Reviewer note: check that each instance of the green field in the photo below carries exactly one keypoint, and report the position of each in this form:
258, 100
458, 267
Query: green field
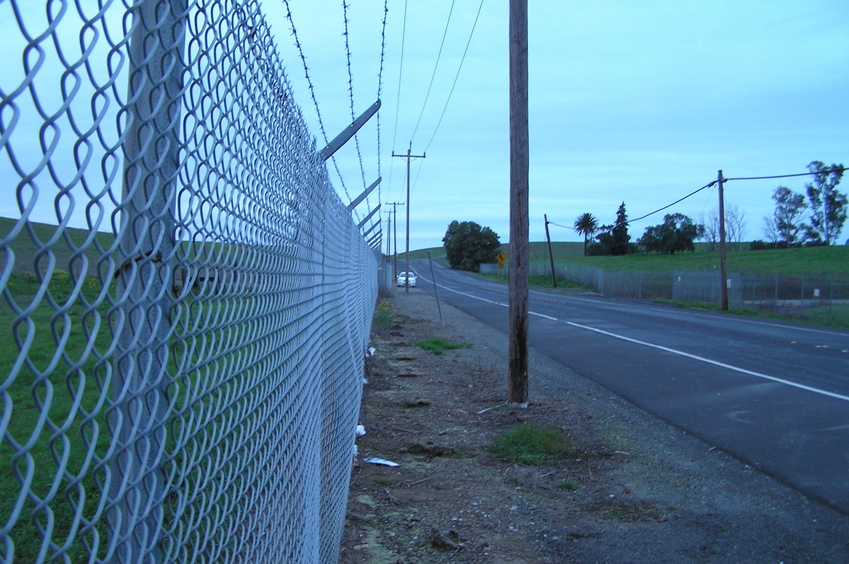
801, 261
67, 388
27, 251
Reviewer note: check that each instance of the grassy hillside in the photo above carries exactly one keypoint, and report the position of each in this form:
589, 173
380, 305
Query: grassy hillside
26, 249
807, 260
811, 260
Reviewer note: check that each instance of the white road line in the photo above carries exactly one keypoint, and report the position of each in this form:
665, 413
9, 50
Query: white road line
486, 300
713, 362
666, 349
543, 315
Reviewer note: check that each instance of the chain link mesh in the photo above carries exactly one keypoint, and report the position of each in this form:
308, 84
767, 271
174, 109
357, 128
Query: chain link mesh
186, 299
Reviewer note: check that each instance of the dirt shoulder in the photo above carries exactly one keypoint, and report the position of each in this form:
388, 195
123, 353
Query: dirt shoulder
633, 489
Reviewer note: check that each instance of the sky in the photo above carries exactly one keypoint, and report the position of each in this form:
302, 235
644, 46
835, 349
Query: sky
634, 102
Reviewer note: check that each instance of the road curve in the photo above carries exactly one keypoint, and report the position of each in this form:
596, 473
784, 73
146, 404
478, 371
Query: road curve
773, 394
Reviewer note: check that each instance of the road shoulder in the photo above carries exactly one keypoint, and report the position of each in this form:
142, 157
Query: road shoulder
633, 489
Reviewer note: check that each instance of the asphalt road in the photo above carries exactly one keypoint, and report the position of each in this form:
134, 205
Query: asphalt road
773, 394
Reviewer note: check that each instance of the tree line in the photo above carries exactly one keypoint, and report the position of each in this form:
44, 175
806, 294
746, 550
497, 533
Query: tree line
815, 218
796, 221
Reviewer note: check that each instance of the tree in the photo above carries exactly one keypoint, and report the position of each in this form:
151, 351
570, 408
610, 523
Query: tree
586, 225
771, 230
613, 239
786, 224
711, 228
827, 205
619, 233
675, 234
467, 245
735, 225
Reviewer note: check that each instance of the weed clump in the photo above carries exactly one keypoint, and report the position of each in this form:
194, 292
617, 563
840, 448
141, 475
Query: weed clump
383, 314
437, 345
531, 445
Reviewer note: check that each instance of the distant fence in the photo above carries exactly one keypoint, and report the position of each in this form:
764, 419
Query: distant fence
181, 377
817, 297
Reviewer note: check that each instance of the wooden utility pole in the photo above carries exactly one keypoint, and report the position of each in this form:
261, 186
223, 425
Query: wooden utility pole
723, 274
395, 233
388, 238
409, 157
517, 388
550, 254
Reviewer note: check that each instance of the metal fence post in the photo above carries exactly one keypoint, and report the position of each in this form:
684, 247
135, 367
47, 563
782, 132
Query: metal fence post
137, 487
640, 287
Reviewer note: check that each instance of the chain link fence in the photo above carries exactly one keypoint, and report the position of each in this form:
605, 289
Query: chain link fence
186, 301
822, 299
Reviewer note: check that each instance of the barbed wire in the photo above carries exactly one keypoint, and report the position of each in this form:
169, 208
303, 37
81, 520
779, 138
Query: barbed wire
313, 96
345, 34
380, 87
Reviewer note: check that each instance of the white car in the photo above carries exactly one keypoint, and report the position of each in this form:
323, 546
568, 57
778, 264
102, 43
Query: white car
404, 277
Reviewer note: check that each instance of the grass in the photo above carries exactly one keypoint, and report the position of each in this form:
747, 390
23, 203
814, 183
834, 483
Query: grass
532, 445
825, 261
438, 345
383, 316
832, 316
535, 281
836, 315
66, 387
832, 260
568, 486
68, 381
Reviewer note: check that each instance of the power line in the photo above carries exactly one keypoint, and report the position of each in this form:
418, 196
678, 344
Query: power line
693, 193
457, 76
563, 226
433, 75
832, 170
398, 98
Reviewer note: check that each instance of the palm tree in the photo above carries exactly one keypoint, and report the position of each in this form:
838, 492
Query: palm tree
586, 225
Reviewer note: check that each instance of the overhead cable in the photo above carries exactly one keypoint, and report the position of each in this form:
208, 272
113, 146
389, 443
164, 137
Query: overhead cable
563, 226
835, 169
398, 98
433, 75
693, 193
457, 76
